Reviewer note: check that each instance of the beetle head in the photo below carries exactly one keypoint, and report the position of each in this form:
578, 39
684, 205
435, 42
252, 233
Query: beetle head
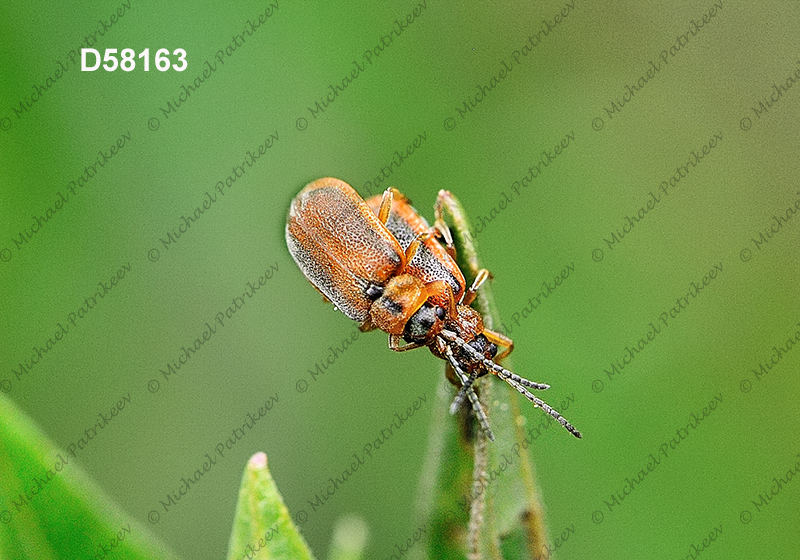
402, 310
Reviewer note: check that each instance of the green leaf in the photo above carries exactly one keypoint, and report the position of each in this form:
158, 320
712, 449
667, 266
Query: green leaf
480, 498
50, 509
514, 545
262, 528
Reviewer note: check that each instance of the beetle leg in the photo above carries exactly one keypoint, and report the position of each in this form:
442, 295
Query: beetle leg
500, 340
440, 225
386, 205
413, 247
469, 295
394, 344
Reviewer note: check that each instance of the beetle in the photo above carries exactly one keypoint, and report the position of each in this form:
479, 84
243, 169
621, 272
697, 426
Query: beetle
433, 262
382, 265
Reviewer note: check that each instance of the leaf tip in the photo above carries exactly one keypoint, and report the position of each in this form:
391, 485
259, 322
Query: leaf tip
258, 462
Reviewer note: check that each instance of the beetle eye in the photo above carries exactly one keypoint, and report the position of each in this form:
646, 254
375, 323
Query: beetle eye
440, 312
420, 324
373, 292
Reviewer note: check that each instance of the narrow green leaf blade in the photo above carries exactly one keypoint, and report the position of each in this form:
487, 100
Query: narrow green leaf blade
262, 528
501, 493
50, 509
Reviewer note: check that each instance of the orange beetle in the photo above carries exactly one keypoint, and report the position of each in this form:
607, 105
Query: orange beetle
383, 267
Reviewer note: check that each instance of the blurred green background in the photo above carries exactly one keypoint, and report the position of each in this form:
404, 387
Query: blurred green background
414, 87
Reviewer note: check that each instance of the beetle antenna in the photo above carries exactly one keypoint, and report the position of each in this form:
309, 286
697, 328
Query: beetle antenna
476, 403
500, 370
517, 382
544, 406
463, 391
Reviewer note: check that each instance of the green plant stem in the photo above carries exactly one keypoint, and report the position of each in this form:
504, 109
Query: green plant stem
505, 516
